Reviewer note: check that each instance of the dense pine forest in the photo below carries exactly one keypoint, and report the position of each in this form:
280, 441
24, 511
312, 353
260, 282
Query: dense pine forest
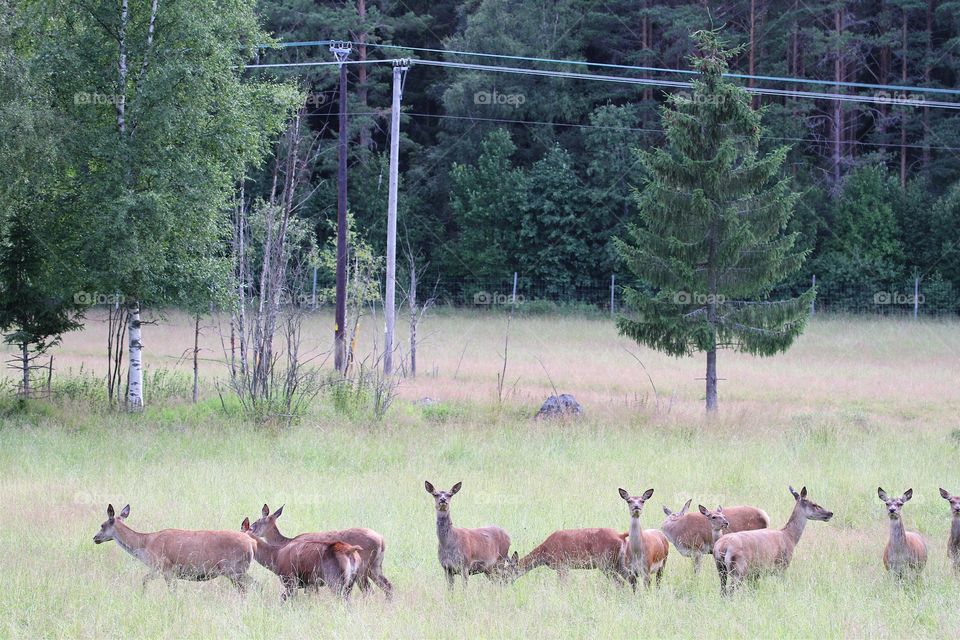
539, 178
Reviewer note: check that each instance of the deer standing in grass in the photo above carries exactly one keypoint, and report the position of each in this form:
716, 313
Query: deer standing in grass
751, 554
183, 554
467, 551
646, 551
370, 542
953, 542
693, 536
906, 552
308, 564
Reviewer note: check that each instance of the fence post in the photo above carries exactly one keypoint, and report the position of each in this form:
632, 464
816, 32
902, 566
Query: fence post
314, 296
513, 298
916, 297
613, 284
813, 303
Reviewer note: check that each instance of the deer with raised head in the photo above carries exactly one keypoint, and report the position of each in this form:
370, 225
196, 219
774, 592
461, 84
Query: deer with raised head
182, 554
371, 545
906, 552
751, 554
953, 542
693, 536
646, 552
308, 564
467, 551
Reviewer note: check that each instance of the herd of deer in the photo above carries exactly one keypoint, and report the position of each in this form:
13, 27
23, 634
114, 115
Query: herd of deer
738, 538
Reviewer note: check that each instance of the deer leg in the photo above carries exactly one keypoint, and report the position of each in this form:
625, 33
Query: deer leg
381, 581
697, 559
464, 573
150, 576
660, 576
722, 572
241, 582
171, 581
449, 573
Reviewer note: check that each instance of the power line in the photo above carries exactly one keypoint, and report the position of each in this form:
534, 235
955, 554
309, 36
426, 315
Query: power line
788, 93
740, 76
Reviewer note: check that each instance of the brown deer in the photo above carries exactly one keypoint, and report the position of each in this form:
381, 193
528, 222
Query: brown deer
953, 542
370, 542
602, 549
751, 554
692, 535
178, 553
467, 551
906, 552
646, 551
307, 563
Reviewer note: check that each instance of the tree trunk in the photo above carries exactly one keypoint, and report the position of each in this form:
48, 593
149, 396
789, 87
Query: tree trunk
837, 136
366, 142
25, 361
903, 112
196, 351
712, 381
413, 320
925, 157
135, 371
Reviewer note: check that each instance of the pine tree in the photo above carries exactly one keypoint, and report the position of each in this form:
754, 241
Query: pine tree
712, 240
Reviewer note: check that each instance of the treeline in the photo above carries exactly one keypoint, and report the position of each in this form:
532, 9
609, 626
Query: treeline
535, 175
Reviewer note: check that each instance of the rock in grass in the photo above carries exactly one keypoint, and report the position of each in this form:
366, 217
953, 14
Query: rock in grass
560, 407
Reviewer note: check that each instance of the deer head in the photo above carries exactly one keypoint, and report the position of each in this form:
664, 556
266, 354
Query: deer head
894, 505
442, 498
953, 500
810, 510
508, 569
258, 528
673, 516
718, 521
108, 527
635, 503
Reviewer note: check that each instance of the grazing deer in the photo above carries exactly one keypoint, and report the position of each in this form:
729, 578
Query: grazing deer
750, 554
308, 563
906, 552
602, 549
177, 553
646, 551
693, 536
467, 551
953, 543
370, 542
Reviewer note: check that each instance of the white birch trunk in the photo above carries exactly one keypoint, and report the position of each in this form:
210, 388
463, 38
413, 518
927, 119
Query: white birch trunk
135, 360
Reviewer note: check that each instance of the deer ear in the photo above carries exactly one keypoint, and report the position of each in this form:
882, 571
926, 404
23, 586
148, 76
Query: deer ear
702, 509
276, 514
796, 496
125, 512
881, 494
719, 508
647, 494
907, 494
803, 492
110, 512
456, 488
666, 510
686, 506
245, 525
515, 557
944, 493
623, 493
429, 487
265, 511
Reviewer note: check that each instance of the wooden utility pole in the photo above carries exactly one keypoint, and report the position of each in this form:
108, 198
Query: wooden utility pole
390, 310
341, 50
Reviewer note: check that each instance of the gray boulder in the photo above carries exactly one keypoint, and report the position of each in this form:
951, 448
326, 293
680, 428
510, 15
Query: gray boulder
560, 407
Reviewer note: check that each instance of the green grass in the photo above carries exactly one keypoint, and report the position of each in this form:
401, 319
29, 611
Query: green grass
188, 466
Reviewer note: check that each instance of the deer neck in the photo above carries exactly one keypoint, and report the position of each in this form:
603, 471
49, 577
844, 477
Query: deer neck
637, 548
898, 536
273, 536
796, 524
129, 540
955, 533
715, 535
444, 528
265, 553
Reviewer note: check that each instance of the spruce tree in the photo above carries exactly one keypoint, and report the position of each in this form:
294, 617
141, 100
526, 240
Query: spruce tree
712, 241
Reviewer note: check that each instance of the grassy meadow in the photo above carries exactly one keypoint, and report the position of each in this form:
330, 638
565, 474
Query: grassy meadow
856, 403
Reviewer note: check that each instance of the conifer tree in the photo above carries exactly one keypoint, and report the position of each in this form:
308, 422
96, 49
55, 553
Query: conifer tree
712, 238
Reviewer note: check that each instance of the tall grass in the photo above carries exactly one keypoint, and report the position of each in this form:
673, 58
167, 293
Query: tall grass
855, 405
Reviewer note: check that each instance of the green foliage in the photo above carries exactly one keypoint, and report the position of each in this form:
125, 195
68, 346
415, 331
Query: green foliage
711, 237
